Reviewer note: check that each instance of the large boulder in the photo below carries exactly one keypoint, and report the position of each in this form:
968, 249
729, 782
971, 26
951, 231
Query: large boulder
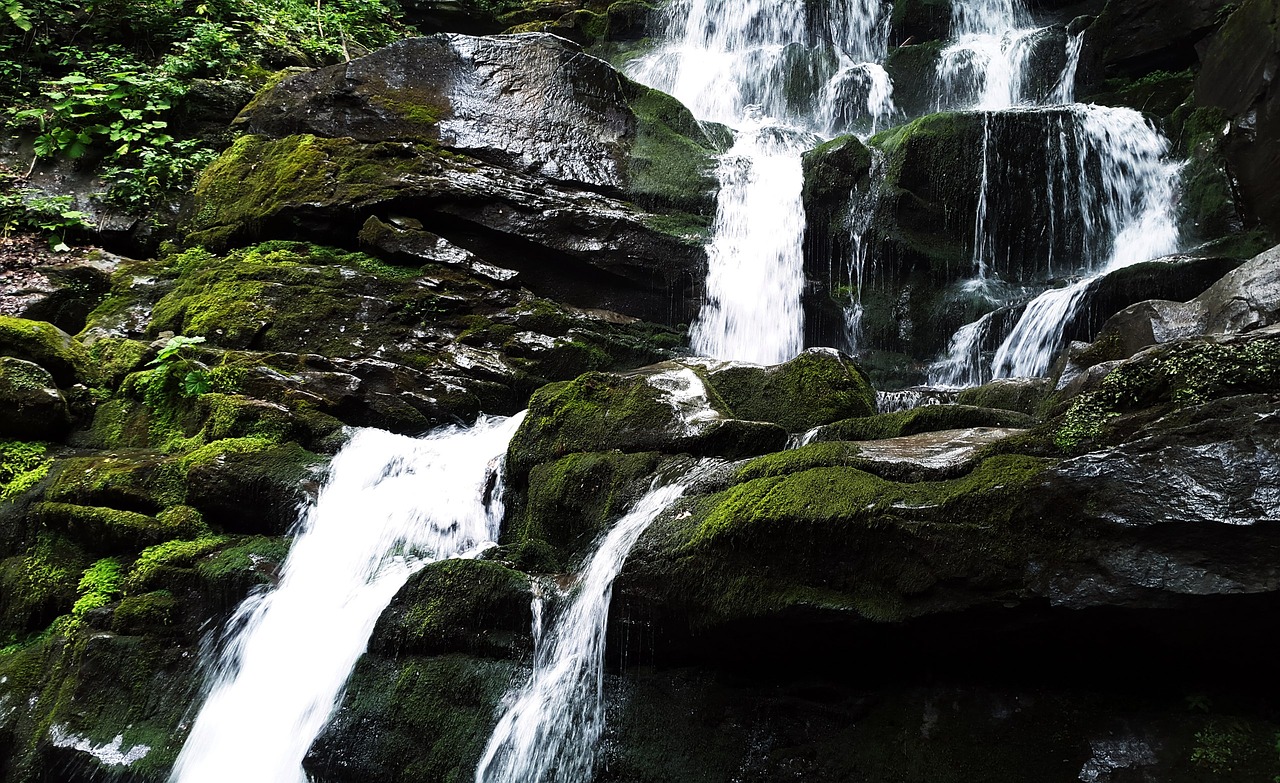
1246, 299
31, 407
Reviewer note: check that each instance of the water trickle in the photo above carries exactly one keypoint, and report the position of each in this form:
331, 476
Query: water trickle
550, 727
390, 506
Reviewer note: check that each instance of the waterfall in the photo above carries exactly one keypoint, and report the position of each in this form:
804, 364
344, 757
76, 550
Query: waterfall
390, 506
551, 726
1129, 210
782, 76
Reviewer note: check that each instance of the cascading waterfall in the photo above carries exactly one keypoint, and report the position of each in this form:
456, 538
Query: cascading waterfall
782, 78
390, 506
550, 727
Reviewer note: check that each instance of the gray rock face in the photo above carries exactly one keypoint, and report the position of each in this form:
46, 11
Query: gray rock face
533, 102
1238, 77
1246, 299
928, 456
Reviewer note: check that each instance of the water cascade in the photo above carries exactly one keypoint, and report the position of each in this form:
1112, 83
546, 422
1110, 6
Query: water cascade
550, 727
391, 505
1112, 167
782, 79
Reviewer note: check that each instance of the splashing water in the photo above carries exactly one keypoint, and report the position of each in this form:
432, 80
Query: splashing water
391, 505
551, 726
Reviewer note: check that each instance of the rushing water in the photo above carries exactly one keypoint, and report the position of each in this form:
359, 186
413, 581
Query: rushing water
390, 506
551, 725
782, 78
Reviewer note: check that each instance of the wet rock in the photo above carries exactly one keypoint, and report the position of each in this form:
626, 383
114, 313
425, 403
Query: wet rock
255, 490
572, 245
46, 345
922, 20
457, 606
532, 103
929, 418
31, 407
929, 456
1240, 63
1012, 394
817, 387
667, 408
1245, 299
412, 244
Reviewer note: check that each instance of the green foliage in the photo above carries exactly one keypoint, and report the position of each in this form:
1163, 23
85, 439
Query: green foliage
1185, 374
28, 209
172, 360
99, 585
1220, 746
22, 466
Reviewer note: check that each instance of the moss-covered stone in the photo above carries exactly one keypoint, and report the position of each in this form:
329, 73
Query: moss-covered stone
1174, 375
665, 408
466, 606
570, 501
1023, 395
111, 529
671, 164
46, 345
412, 719
817, 387
928, 418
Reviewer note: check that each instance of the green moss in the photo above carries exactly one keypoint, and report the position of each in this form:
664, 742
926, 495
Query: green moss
593, 412
257, 179
815, 455
38, 585
671, 164
177, 553
245, 558
817, 387
473, 606
848, 495
571, 500
217, 450
116, 357
112, 529
144, 482
46, 345
145, 613
929, 418
1182, 374
22, 466
100, 584
833, 169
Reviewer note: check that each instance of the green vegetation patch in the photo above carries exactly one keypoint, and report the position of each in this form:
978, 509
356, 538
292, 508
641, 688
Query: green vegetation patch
848, 495
22, 466
1183, 374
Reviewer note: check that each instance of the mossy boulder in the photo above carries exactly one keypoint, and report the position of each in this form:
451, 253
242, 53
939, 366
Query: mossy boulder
326, 189
457, 606
570, 501
31, 407
530, 101
390, 705
666, 408
817, 387
1023, 395
46, 345
251, 486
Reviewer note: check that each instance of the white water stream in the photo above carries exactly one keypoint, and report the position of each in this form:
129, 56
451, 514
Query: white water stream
390, 506
551, 726
782, 80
